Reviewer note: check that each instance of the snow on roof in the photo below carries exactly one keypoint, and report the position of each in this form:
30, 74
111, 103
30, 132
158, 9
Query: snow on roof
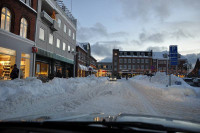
163, 55
81, 45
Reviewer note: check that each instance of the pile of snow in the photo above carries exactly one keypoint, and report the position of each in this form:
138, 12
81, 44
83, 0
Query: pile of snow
161, 81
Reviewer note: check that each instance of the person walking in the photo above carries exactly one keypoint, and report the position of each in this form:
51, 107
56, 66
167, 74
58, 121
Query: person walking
15, 72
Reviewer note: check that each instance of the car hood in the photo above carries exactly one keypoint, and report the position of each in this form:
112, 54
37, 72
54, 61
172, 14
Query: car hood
122, 117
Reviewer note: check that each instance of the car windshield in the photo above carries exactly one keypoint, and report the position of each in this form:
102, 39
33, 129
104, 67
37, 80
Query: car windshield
99, 60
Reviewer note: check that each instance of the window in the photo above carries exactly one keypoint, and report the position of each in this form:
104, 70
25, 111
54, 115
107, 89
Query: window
72, 50
58, 43
138, 60
50, 39
164, 62
68, 49
133, 67
146, 60
146, 67
120, 60
70, 32
125, 60
115, 53
23, 28
64, 45
65, 28
41, 34
28, 2
142, 67
73, 36
133, 60
125, 66
129, 66
59, 23
120, 67
5, 19
115, 63
129, 60
142, 60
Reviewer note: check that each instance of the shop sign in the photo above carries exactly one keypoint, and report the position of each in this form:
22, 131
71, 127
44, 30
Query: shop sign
34, 49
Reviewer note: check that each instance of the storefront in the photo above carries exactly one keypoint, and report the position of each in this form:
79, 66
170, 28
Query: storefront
15, 50
7, 61
82, 71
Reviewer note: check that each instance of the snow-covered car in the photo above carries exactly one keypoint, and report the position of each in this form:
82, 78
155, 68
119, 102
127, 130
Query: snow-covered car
196, 82
113, 78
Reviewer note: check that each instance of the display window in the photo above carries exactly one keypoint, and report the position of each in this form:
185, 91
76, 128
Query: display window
7, 61
42, 69
24, 65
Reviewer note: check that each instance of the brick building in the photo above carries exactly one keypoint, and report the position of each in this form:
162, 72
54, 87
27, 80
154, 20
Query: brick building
131, 62
104, 69
17, 35
161, 63
85, 62
144, 62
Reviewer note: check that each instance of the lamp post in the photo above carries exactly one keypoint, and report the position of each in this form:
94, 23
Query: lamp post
74, 53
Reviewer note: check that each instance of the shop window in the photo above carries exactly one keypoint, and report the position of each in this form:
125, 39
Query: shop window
24, 65
41, 69
7, 61
5, 19
23, 28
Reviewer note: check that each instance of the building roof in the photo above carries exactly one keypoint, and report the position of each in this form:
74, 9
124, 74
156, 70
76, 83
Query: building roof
81, 45
161, 55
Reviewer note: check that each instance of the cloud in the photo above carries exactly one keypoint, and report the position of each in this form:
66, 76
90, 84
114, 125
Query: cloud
156, 37
104, 49
107, 59
97, 31
147, 10
181, 34
157, 49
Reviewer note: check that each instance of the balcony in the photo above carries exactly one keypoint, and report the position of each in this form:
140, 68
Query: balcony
53, 24
46, 17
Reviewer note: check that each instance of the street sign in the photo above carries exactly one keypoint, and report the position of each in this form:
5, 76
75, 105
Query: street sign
173, 55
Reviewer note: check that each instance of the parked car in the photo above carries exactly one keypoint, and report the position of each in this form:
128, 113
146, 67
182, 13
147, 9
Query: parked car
196, 82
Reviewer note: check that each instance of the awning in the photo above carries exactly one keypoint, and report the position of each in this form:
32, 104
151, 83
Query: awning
82, 67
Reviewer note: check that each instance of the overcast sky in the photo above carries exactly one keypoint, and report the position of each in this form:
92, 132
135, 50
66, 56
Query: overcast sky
137, 25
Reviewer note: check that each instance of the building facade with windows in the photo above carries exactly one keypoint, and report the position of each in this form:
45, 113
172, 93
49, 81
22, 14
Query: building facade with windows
161, 63
104, 69
131, 62
85, 62
55, 39
17, 35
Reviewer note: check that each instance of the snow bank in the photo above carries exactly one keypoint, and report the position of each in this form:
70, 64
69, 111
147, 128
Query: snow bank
160, 82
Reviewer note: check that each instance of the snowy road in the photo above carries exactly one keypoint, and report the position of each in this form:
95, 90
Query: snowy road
99, 96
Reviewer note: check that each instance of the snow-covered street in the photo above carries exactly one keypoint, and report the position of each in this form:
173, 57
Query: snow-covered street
138, 95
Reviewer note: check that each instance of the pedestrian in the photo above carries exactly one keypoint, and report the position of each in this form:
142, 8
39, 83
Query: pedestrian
15, 72
126, 77
58, 74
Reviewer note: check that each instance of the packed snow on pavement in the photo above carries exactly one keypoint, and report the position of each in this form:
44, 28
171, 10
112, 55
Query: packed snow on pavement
138, 95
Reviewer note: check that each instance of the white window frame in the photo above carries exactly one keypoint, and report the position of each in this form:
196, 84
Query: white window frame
70, 32
23, 28
65, 28
40, 36
58, 43
51, 39
68, 49
6, 22
64, 46
73, 36
59, 22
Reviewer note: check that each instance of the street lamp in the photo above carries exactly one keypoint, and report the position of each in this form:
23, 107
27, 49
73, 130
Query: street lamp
74, 53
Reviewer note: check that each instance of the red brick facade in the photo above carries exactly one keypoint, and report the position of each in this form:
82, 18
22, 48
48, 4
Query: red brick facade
19, 10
